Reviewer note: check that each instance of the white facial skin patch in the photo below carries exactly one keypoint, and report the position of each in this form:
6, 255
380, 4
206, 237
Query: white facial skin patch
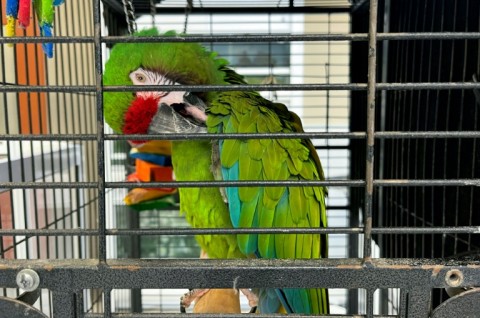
146, 77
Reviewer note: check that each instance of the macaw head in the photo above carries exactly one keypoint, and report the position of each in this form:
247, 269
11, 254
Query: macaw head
159, 63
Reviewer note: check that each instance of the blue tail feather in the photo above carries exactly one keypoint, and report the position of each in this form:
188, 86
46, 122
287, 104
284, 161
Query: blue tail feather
269, 300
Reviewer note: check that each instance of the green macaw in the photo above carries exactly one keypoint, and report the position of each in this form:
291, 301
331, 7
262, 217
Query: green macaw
153, 112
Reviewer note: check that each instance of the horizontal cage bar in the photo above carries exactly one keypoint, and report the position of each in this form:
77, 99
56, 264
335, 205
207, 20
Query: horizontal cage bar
248, 38
243, 183
245, 87
207, 231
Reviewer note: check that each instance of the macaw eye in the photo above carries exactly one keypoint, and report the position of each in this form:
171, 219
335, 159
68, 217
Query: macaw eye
140, 77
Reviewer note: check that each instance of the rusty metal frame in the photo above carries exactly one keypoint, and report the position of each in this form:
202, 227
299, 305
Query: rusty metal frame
415, 277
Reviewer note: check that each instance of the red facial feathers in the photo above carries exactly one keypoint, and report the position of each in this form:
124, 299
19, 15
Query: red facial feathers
139, 115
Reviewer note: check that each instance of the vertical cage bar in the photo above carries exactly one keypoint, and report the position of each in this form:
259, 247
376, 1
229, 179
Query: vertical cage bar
107, 303
89, 169
372, 60
437, 142
383, 116
448, 146
383, 218
460, 162
423, 98
6, 126
476, 116
409, 122
67, 78
102, 245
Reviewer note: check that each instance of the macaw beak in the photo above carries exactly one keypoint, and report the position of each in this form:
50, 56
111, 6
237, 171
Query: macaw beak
177, 118
179, 112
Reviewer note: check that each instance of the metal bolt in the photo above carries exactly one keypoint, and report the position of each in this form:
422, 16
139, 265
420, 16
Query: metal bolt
454, 278
28, 280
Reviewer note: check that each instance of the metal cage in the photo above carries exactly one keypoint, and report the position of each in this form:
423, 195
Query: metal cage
387, 91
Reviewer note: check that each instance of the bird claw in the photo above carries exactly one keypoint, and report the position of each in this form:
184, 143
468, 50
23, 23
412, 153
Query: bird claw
195, 294
251, 296
188, 298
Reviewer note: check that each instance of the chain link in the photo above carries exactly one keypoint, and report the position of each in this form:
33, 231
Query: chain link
153, 11
129, 16
188, 10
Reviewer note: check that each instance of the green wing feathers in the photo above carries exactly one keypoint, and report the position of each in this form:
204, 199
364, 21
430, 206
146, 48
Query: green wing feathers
278, 159
272, 207
201, 212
